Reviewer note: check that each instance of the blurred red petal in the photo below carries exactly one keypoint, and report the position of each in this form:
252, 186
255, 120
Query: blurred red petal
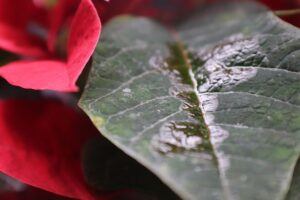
62, 11
41, 144
15, 18
16, 13
39, 75
17, 41
84, 35
57, 75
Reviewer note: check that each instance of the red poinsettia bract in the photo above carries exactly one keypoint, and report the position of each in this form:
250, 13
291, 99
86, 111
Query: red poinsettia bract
32, 32
42, 142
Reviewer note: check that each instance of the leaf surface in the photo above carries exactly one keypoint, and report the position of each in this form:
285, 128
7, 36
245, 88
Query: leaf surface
213, 108
293, 193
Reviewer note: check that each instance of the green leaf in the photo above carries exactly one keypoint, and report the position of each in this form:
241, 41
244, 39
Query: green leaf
213, 108
294, 193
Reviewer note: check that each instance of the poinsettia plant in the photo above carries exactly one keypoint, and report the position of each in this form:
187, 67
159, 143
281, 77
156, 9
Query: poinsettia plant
149, 99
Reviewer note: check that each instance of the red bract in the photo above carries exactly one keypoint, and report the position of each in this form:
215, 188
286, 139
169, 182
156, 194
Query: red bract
41, 144
33, 33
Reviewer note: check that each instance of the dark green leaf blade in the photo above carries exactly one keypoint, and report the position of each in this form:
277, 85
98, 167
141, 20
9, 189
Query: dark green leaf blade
293, 193
132, 86
214, 114
249, 86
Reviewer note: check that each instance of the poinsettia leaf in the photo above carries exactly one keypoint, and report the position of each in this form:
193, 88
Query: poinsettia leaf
293, 193
212, 109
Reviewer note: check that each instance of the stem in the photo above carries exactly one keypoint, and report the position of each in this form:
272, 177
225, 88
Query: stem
284, 13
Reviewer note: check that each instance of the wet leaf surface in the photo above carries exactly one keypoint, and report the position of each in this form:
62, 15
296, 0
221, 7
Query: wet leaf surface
211, 108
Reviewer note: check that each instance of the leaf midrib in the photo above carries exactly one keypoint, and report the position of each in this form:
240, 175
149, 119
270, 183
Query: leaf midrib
187, 63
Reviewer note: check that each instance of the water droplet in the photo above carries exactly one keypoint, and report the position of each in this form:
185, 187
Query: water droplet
127, 92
